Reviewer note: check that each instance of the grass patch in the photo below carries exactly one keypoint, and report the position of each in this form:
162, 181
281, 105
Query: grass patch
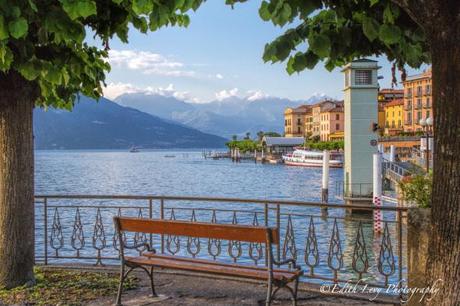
64, 287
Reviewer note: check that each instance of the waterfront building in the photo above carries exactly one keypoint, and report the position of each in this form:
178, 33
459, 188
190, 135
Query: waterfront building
294, 121
385, 96
331, 121
394, 117
418, 100
323, 120
277, 146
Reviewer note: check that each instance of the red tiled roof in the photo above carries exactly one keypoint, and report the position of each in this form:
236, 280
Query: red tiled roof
395, 102
391, 90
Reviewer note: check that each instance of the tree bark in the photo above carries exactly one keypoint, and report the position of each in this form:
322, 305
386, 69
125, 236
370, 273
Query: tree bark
444, 248
17, 98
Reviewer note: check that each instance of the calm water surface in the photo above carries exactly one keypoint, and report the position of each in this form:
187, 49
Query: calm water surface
150, 172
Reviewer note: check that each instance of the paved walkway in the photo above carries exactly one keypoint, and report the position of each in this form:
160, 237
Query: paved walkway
182, 289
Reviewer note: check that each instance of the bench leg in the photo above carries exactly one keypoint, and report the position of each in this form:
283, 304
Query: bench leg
152, 283
294, 296
120, 285
268, 301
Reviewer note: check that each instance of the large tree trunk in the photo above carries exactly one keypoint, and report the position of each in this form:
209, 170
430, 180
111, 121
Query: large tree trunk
444, 248
17, 98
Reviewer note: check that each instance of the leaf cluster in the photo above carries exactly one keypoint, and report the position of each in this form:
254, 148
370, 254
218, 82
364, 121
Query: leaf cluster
418, 189
338, 31
46, 41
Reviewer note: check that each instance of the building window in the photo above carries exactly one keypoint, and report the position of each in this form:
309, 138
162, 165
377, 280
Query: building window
419, 116
427, 114
399, 123
298, 121
337, 116
298, 129
363, 77
337, 126
285, 123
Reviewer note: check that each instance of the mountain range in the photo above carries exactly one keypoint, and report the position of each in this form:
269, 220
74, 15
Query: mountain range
108, 125
231, 116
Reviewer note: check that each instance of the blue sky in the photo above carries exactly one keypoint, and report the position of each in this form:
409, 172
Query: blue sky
218, 55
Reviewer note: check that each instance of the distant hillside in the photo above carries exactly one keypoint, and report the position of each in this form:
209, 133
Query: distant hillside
107, 125
227, 117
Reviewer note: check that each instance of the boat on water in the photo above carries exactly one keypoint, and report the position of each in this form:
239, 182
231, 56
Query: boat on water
306, 158
134, 150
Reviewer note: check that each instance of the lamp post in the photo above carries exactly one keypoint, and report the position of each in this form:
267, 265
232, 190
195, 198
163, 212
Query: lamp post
426, 125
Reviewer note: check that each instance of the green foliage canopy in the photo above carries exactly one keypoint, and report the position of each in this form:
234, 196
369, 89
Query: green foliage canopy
47, 41
325, 145
338, 31
245, 145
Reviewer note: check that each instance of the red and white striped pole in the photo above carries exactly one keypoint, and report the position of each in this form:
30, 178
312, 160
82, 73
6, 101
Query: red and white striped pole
325, 182
377, 191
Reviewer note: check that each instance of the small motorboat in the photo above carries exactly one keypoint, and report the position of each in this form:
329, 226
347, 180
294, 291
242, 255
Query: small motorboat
134, 150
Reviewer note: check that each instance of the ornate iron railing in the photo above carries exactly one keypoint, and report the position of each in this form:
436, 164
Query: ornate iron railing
337, 247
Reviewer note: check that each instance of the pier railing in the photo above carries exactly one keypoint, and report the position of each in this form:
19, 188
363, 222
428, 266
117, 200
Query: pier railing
335, 247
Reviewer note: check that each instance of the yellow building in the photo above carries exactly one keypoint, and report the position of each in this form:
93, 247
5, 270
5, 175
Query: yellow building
418, 101
294, 119
385, 96
394, 117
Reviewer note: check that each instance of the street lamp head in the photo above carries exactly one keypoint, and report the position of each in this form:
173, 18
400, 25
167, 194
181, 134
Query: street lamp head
422, 122
429, 121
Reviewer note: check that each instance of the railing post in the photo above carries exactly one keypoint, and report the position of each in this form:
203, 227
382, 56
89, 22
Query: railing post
266, 224
400, 257
45, 216
151, 217
162, 216
278, 226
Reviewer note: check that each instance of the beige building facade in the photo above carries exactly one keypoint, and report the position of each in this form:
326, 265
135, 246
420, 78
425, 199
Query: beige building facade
320, 120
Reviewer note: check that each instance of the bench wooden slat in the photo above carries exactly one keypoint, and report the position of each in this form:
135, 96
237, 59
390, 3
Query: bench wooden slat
220, 269
257, 234
210, 262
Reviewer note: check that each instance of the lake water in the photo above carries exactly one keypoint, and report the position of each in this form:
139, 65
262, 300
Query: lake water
150, 172
189, 174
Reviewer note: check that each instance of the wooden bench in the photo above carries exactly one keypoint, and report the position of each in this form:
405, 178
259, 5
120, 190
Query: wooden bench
276, 278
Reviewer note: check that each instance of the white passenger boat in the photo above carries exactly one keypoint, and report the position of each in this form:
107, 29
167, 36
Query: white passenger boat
305, 158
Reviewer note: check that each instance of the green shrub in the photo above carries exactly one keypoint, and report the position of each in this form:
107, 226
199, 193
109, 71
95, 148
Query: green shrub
417, 189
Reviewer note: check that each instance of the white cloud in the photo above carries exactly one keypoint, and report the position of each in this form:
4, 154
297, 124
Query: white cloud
251, 95
254, 95
114, 90
224, 94
149, 63
219, 76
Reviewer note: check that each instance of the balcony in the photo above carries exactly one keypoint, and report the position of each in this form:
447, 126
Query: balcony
408, 107
418, 106
418, 93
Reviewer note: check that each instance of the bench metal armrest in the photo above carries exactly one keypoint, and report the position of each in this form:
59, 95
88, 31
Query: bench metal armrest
144, 244
290, 261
